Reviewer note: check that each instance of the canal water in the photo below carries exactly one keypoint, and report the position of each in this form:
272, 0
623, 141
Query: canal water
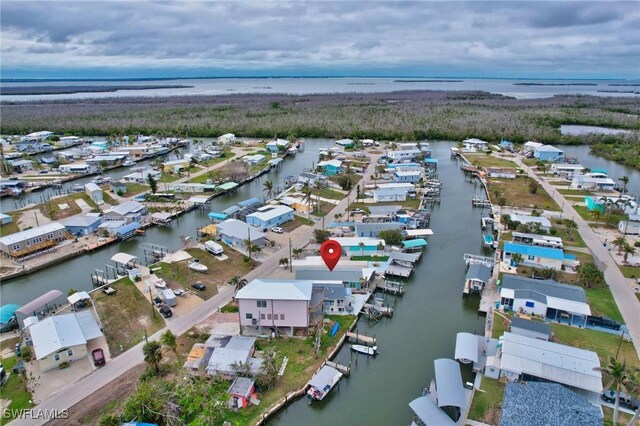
76, 273
423, 328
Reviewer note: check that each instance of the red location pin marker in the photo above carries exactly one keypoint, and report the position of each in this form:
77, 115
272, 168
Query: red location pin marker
331, 251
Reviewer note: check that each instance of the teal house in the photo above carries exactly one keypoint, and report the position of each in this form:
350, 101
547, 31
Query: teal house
594, 204
330, 167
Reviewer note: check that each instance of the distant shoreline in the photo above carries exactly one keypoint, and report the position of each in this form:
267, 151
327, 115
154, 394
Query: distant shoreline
428, 81
66, 90
555, 84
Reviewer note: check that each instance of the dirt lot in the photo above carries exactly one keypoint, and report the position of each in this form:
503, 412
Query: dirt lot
220, 271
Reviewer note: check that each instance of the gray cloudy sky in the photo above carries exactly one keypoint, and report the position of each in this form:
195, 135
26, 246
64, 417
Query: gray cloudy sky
501, 39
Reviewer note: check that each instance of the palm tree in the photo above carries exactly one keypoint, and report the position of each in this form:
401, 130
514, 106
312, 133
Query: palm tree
247, 245
635, 392
619, 243
627, 249
237, 283
268, 188
596, 214
621, 380
168, 339
152, 354
516, 259
361, 245
297, 252
625, 182
306, 196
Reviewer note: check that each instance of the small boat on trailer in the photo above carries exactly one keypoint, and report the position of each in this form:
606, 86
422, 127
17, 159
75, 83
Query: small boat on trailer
197, 266
366, 350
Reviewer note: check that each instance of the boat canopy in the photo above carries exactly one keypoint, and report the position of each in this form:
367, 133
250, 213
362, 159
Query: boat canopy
126, 229
466, 347
449, 383
217, 216
429, 413
7, 311
37, 303
78, 296
325, 378
124, 258
418, 242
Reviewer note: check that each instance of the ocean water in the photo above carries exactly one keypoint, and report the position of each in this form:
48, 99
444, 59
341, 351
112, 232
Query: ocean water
521, 89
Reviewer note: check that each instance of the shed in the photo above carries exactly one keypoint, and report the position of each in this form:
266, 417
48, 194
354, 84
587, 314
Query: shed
240, 392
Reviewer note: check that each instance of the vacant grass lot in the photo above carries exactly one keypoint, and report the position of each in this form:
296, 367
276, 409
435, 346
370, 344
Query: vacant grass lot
604, 344
53, 211
602, 303
300, 367
125, 316
295, 223
484, 160
582, 257
15, 391
486, 405
569, 240
631, 271
220, 271
516, 192
575, 192
10, 228
330, 194
134, 188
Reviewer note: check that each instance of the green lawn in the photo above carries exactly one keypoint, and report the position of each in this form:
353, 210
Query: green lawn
53, 211
623, 418
574, 240
208, 163
582, 257
108, 198
504, 237
330, 194
574, 192
168, 178
499, 324
584, 212
10, 228
126, 315
630, 271
134, 188
371, 258
602, 303
604, 344
484, 160
296, 222
486, 405
517, 194
15, 391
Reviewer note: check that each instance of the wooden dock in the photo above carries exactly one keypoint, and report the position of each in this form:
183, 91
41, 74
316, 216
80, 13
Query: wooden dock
377, 310
341, 368
480, 202
391, 287
361, 338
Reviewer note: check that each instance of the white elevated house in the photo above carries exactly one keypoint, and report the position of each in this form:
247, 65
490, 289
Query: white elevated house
403, 152
531, 146
226, 139
75, 168
129, 212
568, 171
474, 145
591, 181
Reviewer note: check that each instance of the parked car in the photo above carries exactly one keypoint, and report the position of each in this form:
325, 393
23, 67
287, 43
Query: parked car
277, 230
44, 172
199, 286
98, 357
166, 311
626, 401
605, 322
357, 211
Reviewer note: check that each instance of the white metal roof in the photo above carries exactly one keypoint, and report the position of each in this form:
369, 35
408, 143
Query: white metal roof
449, 383
277, 290
123, 258
267, 213
427, 410
543, 221
552, 361
548, 148
238, 229
128, 207
334, 163
31, 233
55, 333
418, 232
92, 187
88, 324
355, 241
405, 185
78, 296
466, 347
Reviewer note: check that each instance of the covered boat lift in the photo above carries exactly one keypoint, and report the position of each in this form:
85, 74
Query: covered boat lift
467, 348
322, 382
450, 392
38, 307
429, 413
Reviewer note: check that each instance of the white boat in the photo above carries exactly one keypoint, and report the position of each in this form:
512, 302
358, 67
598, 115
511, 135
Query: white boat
322, 382
129, 163
160, 283
367, 350
77, 188
197, 266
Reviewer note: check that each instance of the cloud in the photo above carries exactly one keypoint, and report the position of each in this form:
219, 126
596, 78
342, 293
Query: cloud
526, 38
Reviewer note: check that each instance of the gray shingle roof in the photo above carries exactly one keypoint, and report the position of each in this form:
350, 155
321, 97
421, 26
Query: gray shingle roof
548, 287
537, 326
479, 271
530, 294
543, 404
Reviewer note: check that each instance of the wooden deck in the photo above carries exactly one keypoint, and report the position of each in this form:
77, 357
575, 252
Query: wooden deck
341, 368
361, 338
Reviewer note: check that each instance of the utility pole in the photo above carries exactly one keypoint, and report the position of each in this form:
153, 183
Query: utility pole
290, 257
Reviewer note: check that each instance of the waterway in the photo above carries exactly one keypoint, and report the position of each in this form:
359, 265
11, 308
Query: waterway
522, 89
424, 325
577, 130
76, 273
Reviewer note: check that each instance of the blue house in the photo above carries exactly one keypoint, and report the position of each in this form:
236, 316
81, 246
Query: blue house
277, 145
351, 245
269, 216
330, 167
363, 229
82, 225
506, 145
128, 231
549, 153
594, 204
542, 257
411, 176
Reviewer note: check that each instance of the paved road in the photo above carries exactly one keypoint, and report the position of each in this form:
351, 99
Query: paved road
622, 292
122, 363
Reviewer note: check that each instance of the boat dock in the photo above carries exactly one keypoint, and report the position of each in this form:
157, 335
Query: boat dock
480, 202
341, 368
398, 271
472, 258
391, 287
361, 338
377, 310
